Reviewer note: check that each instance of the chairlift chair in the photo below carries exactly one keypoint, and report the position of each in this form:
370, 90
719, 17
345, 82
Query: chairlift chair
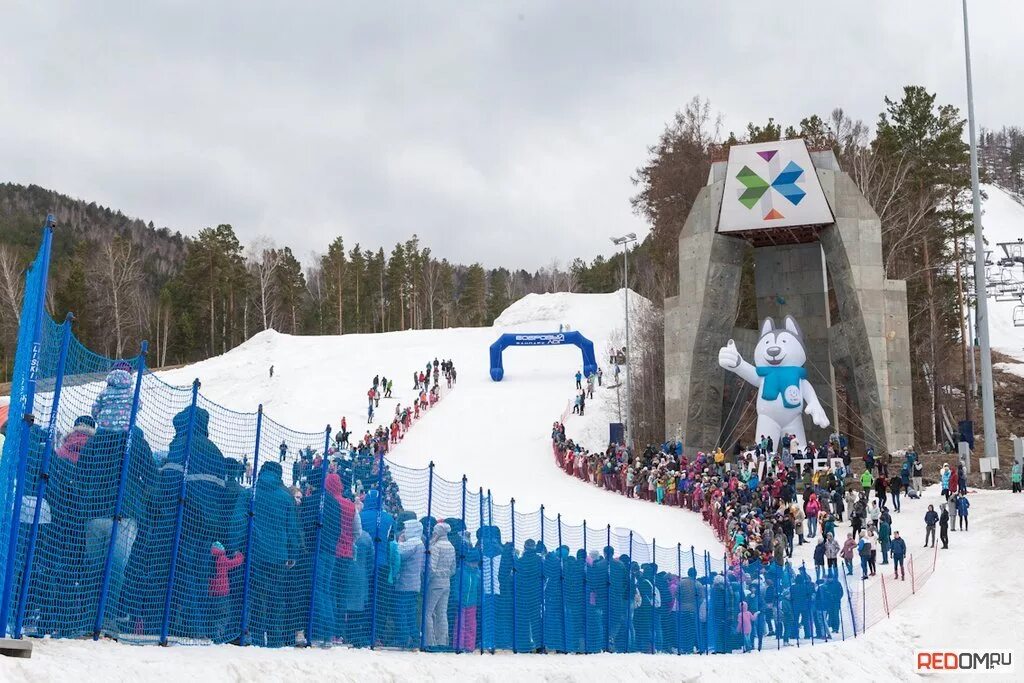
1018, 315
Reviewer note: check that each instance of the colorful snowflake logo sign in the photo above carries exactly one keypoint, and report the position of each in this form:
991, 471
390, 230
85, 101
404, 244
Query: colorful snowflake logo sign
758, 191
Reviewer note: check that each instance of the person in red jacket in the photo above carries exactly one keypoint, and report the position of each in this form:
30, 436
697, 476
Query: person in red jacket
220, 588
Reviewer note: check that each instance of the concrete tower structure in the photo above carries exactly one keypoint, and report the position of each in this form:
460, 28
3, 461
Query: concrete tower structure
807, 226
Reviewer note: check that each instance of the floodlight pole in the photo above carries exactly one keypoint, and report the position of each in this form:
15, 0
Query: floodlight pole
624, 242
981, 294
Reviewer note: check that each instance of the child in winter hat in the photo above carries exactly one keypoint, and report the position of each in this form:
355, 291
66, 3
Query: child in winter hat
113, 406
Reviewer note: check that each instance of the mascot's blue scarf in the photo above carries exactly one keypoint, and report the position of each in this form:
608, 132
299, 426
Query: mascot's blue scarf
777, 379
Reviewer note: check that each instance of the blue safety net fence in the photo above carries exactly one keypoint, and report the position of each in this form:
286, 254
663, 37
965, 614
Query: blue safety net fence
145, 512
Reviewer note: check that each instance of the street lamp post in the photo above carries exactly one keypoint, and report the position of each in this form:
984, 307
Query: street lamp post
624, 242
981, 295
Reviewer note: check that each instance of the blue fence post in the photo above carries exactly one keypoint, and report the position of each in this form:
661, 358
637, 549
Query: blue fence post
586, 593
460, 562
494, 612
696, 610
179, 515
849, 601
426, 556
726, 646
679, 597
119, 503
803, 617
480, 542
707, 603
864, 607
376, 552
842, 626
630, 583
324, 464
608, 589
28, 418
243, 636
654, 607
543, 590
779, 628
561, 588
515, 644
44, 475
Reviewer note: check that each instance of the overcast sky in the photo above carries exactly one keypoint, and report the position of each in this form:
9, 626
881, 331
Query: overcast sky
500, 132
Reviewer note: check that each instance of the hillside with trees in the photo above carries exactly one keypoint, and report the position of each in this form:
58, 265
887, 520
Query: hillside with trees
197, 296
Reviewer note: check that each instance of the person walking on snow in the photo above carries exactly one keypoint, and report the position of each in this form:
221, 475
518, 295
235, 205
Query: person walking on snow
895, 484
944, 528
832, 554
847, 552
884, 531
866, 481
899, 551
930, 519
944, 474
962, 506
579, 379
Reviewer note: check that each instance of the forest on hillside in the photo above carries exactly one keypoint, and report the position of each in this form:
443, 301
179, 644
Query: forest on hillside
200, 295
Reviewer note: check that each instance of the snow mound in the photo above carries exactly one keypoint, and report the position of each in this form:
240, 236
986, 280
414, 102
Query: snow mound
586, 313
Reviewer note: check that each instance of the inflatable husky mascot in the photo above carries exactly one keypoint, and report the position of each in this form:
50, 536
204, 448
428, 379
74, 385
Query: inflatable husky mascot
779, 373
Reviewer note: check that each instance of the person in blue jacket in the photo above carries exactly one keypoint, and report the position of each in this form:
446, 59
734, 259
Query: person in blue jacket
898, 548
204, 514
579, 379
962, 506
834, 596
801, 594
276, 547
379, 523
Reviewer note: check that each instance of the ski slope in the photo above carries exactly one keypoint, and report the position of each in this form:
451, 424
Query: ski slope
1003, 221
496, 433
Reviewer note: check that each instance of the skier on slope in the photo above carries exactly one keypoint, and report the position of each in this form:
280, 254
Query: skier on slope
579, 379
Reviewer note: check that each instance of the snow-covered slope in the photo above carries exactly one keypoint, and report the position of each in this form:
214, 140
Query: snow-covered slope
1003, 221
496, 433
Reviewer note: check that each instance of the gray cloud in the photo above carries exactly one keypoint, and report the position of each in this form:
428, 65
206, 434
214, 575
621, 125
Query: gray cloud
499, 132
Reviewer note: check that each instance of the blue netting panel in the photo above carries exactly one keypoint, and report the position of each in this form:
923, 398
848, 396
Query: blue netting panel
16, 429
92, 450
151, 514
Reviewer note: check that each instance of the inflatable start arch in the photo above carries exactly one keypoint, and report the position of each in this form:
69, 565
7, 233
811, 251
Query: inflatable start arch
550, 339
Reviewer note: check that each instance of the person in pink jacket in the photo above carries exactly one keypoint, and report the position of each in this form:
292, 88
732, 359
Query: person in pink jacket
812, 509
744, 625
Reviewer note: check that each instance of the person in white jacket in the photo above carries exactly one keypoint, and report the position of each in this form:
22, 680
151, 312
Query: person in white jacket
442, 567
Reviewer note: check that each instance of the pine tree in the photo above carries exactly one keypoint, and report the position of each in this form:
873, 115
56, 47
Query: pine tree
334, 270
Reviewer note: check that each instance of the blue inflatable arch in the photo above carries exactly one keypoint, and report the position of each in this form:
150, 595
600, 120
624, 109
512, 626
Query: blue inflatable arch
548, 339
